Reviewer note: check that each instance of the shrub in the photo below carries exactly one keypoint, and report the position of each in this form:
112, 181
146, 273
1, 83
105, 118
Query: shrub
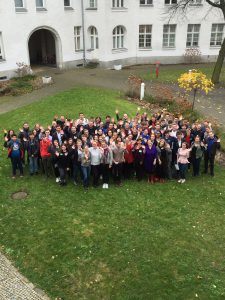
192, 55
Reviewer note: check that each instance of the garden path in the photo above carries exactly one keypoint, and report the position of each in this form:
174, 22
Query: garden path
212, 106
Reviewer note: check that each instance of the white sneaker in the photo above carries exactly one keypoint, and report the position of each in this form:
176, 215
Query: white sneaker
106, 186
103, 186
57, 179
183, 181
180, 180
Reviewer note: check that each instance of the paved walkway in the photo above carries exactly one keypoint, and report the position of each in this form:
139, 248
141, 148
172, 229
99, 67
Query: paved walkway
13, 286
212, 106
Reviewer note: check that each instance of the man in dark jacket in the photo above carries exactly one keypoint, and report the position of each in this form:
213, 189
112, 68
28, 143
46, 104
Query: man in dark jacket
33, 153
212, 143
59, 135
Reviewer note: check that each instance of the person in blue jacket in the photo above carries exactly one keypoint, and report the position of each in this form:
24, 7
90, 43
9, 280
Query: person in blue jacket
15, 153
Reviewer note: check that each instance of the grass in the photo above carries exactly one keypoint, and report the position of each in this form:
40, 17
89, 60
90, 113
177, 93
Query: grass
136, 242
170, 73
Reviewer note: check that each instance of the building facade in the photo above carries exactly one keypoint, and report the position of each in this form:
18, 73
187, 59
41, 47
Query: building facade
64, 33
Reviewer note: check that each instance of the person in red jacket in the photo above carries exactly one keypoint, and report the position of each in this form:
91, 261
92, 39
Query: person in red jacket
129, 158
45, 154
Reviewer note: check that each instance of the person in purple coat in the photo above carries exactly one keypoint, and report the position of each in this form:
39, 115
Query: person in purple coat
150, 160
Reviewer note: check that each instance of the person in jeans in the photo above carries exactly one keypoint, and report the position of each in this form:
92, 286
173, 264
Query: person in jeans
33, 152
106, 164
15, 153
95, 162
86, 166
182, 160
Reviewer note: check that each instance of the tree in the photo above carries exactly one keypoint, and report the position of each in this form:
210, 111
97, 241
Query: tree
195, 81
182, 6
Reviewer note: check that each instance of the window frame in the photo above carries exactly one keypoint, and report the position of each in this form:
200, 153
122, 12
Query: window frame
95, 4
192, 33
2, 53
78, 37
146, 3
216, 44
93, 38
118, 4
195, 3
19, 7
169, 33
118, 37
170, 2
70, 5
146, 35
43, 6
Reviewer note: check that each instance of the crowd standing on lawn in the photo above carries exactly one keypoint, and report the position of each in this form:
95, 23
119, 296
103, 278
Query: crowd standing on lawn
162, 145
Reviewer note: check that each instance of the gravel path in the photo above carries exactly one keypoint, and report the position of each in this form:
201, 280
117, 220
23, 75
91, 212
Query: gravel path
13, 286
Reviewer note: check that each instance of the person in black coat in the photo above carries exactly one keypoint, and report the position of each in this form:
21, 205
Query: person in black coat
63, 163
59, 135
138, 153
212, 143
33, 149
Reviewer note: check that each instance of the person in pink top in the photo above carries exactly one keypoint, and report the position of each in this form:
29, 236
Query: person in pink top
182, 160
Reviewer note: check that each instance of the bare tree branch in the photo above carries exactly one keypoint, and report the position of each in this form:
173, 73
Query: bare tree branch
214, 4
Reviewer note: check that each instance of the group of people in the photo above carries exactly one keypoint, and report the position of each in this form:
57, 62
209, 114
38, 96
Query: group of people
160, 147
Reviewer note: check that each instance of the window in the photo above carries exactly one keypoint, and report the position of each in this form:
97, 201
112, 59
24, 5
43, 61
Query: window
93, 37
39, 3
169, 33
19, 4
145, 36
193, 35
217, 34
67, 3
117, 3
146, 2
195, 2
77, 38
1, 47
118, 37
93, 3
169, 2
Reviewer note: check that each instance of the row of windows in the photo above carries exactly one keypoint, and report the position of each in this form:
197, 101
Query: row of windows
145, 36
20, 4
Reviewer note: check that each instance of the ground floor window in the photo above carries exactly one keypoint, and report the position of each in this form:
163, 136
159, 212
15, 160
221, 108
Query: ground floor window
193, 35
118, 37
145, 36
77, 38
169, 34
217, 34
1, 47
93, 37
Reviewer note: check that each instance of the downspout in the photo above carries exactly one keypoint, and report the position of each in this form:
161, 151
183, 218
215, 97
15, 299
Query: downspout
83, 31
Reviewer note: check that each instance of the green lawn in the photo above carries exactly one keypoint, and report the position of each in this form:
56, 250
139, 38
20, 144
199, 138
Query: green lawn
138, 242
170, 73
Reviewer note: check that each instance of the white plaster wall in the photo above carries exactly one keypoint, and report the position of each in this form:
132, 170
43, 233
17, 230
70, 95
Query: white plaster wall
17, 27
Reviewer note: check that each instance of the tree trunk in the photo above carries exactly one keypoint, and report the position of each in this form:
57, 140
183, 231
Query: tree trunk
219, 64
193, 103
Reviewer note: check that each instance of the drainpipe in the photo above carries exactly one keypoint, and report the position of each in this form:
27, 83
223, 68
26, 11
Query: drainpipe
83, 30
